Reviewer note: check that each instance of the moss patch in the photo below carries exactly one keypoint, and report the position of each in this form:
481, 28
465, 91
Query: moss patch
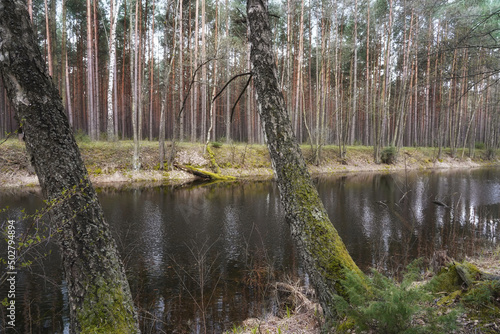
208, 175
104, 312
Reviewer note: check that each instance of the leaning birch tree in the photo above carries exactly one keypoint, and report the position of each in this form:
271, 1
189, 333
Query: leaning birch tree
324, 255
99, 295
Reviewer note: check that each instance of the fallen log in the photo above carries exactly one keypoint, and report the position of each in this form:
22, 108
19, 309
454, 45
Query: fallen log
204, 174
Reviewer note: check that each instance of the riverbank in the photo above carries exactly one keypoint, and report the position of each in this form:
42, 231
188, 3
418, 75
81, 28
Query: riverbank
305, 316
111, 163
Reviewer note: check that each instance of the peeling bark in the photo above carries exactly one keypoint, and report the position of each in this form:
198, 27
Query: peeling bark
323, 253
99, 294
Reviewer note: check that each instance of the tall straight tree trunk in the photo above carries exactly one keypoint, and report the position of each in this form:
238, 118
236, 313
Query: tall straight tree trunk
210, 132
387, 80
90, 74
338, 122
405, 78
68, 94
140, 70
298, 85
249, 115
383, 117
289, 59
181, 73
211, 128
97, 117
427, 87
324, 255
228, 75
195, 65
151, 76
450, 114
134, 65
366, 137
115, 104
124, 62
115, 6
325, 26
99, 295
49, 40
190, 71
66, 91
165, 87
204, 79
355, 75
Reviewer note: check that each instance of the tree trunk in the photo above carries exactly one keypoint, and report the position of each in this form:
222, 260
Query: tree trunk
366, 139
299, 85
49, 40
323, 253
134, 63
355, 76
90, 75
151, 76
181, 75
99, 294
211, 124
194, 107
66, 92
228, 76
97, 113
115, 6
165, 87
204, 79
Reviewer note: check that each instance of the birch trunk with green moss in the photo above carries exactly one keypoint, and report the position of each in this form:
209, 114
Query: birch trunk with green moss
99, 294
323, 253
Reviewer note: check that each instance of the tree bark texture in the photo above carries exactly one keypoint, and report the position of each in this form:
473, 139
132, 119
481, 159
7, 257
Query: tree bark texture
99, 294
324, 254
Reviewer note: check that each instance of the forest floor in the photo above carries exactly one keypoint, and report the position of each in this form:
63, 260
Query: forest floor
111, 163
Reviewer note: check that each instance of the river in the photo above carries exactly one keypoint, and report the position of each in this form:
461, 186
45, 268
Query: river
201, 255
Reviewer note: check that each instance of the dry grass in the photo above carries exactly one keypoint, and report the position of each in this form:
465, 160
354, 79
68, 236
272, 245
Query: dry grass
298, 313
488, 261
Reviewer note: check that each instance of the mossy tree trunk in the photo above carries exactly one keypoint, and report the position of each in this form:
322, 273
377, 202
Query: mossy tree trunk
99, 294
323, 253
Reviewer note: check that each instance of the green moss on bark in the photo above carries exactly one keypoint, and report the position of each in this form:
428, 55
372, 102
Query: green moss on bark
210, 175
104, 311
327, 253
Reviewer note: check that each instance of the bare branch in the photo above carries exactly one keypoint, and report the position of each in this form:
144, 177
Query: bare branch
192, 82
239, 97
227, 84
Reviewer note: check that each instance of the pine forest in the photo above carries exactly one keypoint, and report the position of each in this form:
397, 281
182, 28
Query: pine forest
381, 73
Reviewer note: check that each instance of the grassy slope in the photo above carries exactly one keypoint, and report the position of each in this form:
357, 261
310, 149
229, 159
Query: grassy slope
111, 162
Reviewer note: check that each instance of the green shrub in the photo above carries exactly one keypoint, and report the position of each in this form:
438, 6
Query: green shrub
388, 155
483, 294
216, 144
81, 136
384, 306
491, 153
479, 145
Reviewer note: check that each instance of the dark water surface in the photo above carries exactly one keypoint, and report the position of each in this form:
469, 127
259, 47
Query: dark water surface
202, 255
